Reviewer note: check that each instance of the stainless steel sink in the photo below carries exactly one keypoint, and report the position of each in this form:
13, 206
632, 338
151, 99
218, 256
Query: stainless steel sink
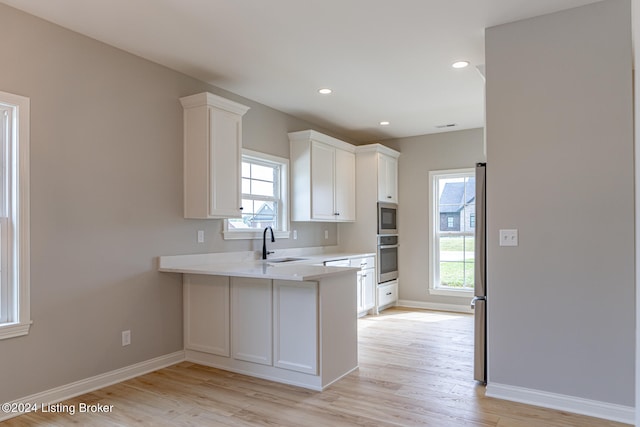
286, 259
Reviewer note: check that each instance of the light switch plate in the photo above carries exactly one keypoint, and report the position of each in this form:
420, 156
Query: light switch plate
509, 237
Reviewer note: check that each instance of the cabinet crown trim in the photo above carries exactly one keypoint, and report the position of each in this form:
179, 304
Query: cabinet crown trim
378, 148
305, 135
206, 98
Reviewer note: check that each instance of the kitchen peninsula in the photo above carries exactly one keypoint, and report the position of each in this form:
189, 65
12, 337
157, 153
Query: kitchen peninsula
288, 320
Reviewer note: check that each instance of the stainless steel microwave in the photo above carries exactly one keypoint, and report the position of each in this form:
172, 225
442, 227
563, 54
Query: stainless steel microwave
387, 218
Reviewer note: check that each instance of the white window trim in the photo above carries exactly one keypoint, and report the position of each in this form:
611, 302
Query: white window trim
433, 253
284, 233
21, 322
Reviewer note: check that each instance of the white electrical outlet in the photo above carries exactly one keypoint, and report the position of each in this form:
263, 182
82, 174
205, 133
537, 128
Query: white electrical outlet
326, 234
126, 338
200, 236
295, 234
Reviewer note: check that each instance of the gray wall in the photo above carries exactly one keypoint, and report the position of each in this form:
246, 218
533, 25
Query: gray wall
106, 199
560, 169
420, 155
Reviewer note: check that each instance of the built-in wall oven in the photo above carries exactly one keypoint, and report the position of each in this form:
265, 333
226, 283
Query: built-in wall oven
387, 218
387, 257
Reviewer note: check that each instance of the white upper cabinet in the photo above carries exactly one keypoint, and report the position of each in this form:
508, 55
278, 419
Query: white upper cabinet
323, 178
387, 178
212, 156
323, 172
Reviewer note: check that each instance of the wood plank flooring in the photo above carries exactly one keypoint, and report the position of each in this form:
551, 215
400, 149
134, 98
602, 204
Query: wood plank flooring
415, 370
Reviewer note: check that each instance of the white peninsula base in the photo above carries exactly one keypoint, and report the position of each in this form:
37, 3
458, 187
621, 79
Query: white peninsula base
299, 332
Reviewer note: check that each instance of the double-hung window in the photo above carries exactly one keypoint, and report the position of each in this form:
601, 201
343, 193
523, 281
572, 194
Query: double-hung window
452, 236
15, 317
264, 197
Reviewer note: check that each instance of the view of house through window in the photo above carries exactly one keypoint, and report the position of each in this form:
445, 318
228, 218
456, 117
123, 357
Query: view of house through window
263, 194
453, 229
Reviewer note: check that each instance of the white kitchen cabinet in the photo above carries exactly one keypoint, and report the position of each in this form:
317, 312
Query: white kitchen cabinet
251, 320
376, 171
323, 171
295, 326
387, 294
377, 178
387, 178
206, 306
212, 156
366, 283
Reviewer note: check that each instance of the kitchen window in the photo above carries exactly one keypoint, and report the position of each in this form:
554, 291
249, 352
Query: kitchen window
15, 318
452, 236
264, 197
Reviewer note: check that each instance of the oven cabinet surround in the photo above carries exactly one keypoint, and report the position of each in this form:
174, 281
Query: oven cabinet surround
376, 178
212, 156
296, 332
323, 178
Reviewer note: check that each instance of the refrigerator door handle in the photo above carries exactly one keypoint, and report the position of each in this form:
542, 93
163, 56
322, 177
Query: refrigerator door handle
473, 301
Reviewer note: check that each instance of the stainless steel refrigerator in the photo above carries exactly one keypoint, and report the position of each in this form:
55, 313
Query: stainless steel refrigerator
479, 302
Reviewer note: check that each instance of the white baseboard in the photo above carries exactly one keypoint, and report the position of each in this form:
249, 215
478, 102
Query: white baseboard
435, 306
577, 405
87, 385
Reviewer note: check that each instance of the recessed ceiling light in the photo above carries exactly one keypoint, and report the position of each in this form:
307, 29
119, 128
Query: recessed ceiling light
325, 91
460, 64
384, 123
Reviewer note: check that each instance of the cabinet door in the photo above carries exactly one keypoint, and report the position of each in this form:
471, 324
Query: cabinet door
345, 186
322, 181
206, 314
368, 288
387, 178
225, 144
359, 292
295, 326
251, 320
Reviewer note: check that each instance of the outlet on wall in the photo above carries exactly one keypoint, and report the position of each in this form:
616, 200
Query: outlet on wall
200, 236
326, 234
126, 338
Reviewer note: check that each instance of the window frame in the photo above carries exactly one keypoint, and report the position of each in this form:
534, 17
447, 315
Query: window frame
282, 231
434, 217
15, 228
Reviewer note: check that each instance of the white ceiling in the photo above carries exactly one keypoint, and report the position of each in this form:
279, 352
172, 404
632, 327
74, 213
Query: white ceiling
384, 60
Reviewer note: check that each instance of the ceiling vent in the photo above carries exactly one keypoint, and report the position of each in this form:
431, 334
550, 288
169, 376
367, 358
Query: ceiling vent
448, 125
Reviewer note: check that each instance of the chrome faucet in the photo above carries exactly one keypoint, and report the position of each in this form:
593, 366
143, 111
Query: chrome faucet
264, 242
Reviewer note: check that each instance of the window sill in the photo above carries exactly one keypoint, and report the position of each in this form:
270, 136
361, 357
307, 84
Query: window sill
253, 235
12, 330
451, 293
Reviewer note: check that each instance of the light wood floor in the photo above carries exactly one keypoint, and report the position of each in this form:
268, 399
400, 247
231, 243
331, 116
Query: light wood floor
415, 370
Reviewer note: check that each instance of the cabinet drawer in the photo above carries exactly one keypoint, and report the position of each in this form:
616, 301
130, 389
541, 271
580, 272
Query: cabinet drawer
388, 294
363, 262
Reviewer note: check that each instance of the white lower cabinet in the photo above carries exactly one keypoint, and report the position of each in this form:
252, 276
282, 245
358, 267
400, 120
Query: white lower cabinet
295, 332
366, 284
206, 304
388, 293
368, 289
251, 316
295, 326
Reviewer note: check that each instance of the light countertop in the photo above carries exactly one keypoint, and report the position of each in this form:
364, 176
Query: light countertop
308, 267
264, 270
